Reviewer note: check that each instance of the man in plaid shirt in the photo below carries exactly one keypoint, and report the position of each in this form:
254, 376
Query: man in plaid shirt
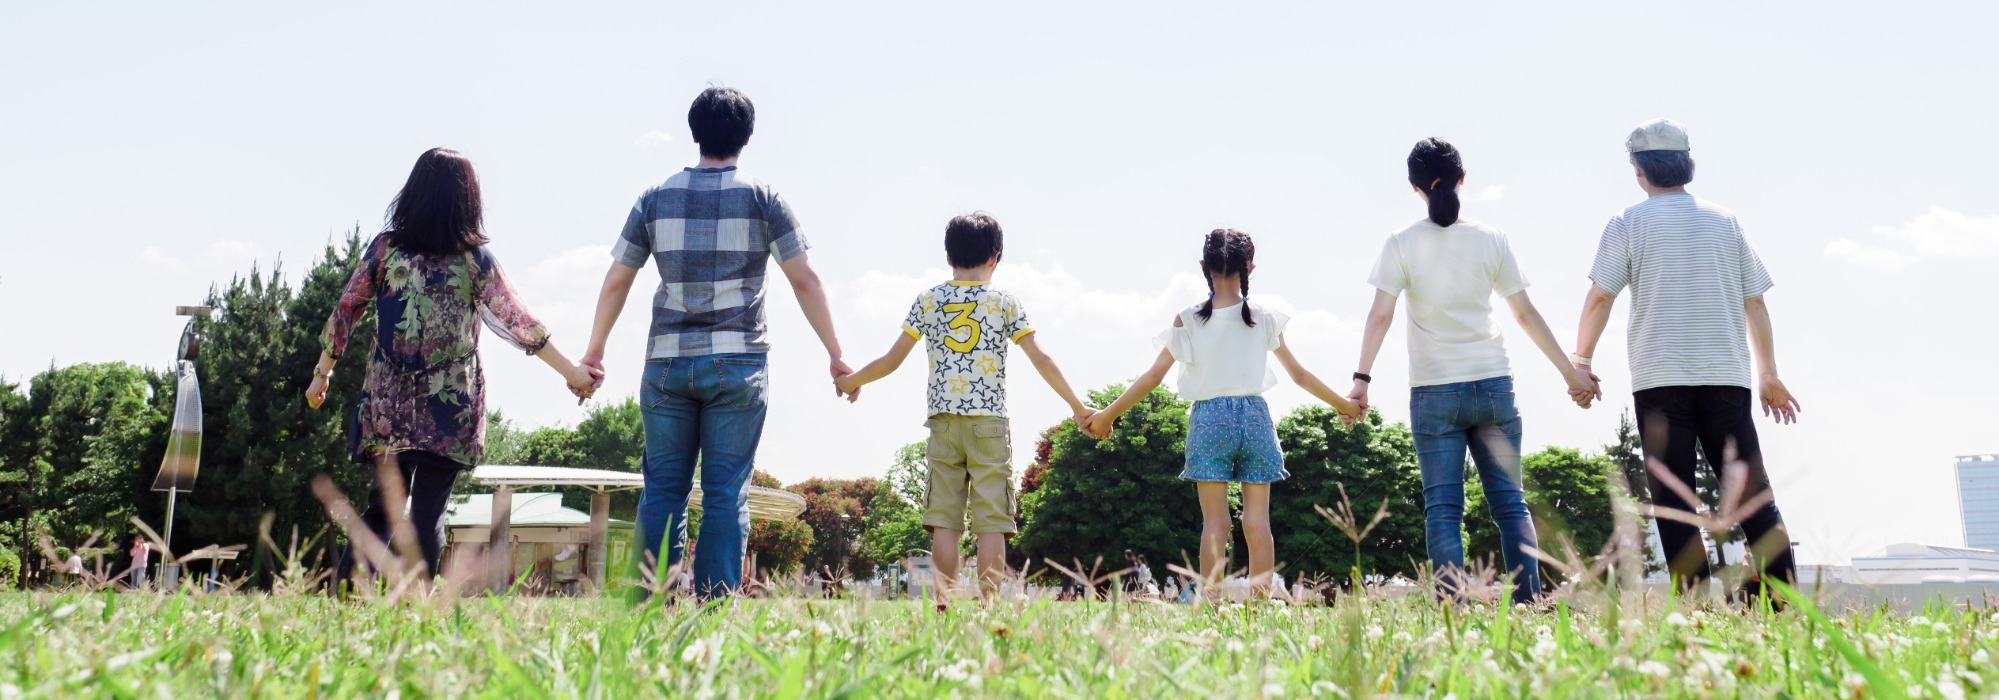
713, 232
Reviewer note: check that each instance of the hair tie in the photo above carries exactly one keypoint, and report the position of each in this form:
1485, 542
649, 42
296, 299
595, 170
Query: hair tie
1433, 183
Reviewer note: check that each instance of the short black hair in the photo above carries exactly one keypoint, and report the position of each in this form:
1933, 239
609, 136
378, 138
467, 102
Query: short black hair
1665, 168
722, 119
973, 239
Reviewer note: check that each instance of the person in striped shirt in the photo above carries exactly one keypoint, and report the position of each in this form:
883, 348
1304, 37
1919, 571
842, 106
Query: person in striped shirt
1696, 310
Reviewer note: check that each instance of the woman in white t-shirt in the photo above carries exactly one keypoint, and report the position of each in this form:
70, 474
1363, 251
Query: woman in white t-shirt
1223, 346
1461, 386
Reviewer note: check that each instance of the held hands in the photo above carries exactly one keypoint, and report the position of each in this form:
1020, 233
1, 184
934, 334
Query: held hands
844, 384
1584, 386
1778, 401
1099, 424
583, 380
1359, 397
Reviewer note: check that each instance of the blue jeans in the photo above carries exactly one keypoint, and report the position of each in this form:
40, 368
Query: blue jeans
1478, 416
705, 412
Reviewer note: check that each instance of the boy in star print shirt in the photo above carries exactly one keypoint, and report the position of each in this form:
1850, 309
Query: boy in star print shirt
965, 325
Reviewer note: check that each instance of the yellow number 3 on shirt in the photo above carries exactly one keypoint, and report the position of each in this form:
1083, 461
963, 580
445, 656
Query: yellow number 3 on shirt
962, 319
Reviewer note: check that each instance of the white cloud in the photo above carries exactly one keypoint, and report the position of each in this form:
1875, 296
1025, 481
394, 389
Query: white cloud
158, 258
1941, 231
1490, 193
1938, 232
653, 138
1866, 255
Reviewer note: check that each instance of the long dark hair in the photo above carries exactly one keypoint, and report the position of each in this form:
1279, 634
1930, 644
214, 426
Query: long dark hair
1435, 168
439, 211
1226, 252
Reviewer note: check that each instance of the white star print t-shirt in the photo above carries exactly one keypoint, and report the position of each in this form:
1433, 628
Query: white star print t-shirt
966, 326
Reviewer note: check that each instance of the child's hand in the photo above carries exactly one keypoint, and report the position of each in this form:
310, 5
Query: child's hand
848, 387
1351, 413
1100, 425
1082, 417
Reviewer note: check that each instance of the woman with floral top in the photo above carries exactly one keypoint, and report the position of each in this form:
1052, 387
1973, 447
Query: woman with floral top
421, 415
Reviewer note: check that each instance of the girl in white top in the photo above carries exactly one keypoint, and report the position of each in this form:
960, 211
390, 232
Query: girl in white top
1223, 346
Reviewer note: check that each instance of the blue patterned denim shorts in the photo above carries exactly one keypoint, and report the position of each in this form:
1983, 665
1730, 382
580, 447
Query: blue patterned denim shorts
1232, 438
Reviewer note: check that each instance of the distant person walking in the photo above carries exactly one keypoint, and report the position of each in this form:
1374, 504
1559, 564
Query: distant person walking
421, 413
1461, 383
713, 230
142, 557
1696, 308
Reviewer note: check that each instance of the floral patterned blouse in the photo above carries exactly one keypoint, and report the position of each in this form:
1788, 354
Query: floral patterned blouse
425, 390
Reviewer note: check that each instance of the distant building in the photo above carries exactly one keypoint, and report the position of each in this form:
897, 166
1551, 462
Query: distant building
1978, 500
1922, 563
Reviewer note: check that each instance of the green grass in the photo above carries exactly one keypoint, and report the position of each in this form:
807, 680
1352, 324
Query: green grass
130, 645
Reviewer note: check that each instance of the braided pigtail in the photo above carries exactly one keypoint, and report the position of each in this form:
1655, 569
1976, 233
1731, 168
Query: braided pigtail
1245, 253
1214, 259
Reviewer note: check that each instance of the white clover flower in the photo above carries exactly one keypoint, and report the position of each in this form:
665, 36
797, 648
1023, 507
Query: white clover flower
697, 653
1314, 642
1919, 621
1234, 645
1324, 688
1273, 690
1676, 620
1474, 637
1654, 669
1402, 637
1545, 649
1374, 633
1940, 628
1949, 688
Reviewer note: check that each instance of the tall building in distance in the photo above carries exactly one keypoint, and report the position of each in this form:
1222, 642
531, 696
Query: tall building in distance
1978, 500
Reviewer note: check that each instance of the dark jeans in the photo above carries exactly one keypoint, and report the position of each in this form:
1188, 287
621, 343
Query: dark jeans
427, 480
705, 412
1673, 422
1479, 417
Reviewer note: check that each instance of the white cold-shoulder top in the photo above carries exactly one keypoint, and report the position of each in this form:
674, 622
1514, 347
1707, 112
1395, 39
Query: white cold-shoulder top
1223, 356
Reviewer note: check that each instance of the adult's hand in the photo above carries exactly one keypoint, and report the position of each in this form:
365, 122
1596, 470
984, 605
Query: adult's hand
1584, 386
1099, 425
840, 370
596, 363
1359, 396
1778, 401
315, 394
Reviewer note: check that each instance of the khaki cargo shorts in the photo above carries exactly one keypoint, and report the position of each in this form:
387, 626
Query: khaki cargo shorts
971, 464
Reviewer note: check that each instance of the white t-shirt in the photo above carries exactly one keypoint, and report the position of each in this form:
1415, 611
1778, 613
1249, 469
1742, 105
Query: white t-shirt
1448, 275
1689, 269
1223, 356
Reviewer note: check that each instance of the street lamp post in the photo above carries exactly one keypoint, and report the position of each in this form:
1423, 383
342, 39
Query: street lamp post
183, 458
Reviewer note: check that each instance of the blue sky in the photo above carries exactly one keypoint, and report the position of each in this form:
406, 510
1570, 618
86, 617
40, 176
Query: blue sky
147, 152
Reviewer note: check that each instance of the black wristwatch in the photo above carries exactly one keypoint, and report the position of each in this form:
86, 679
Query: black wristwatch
1363, 377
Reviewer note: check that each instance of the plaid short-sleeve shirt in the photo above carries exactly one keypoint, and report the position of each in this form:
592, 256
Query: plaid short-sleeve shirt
713, 232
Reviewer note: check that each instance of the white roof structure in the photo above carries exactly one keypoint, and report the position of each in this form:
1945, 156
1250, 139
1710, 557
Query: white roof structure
530, 510
1924, 563
765, 503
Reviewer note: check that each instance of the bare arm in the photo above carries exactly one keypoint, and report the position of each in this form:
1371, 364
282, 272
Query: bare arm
1596, 316
811, 295
1379, 319
1777, 399
1582, 386
1053, 375
850, 385
610, 302
1349, 410
1141, 386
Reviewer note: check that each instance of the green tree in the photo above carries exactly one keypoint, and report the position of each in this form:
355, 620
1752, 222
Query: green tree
1627, 453
1101, 497
837, 510
1568, 494
778, 545
894, 520
90, 429
1376, 463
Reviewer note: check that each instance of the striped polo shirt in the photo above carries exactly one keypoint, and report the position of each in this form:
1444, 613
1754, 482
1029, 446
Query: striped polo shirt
713, 232
1689, 269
